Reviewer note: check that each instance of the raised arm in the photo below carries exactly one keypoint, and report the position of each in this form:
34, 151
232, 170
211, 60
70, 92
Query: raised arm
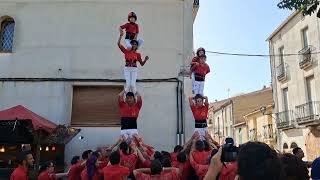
191, 101
206, 101
142, 170
215, 166
142, 62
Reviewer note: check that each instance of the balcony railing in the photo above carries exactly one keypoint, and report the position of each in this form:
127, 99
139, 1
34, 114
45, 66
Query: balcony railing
253, 134
285, 119
268, 132
308, 113
282, 73
306, 57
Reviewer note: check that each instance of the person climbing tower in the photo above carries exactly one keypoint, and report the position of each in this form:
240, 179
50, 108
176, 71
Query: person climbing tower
132, 30
199, 70
129, 113
131, 58
200, 106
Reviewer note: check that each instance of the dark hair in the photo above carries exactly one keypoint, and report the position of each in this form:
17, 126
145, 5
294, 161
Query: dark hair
45, 166
206, 145
130, 94
296, 150
75, 160
165, 154
166, 162
114, 158
124, 147
91, 165
257, 160
85, 154
294, 168
177, 149
199, 145
157, 155
134, 41
22, 156
198, 96
182, 157
156, 167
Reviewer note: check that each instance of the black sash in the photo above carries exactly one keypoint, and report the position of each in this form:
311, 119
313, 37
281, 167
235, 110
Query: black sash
128, 123
199, 77
130, 35
201, 123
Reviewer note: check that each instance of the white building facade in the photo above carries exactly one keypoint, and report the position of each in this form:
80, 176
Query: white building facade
64, 64
295, 81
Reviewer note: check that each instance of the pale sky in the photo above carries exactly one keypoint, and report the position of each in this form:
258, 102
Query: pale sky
238, 27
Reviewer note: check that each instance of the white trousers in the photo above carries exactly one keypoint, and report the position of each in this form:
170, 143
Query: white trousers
131, 75
198, 87
129, 133
202, 132
128, 44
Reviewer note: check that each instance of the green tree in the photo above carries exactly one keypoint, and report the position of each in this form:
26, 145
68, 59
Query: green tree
307, 7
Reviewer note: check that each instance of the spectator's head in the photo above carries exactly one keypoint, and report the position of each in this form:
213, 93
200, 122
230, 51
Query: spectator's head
157, 155
130, 98
199, 145
48, 166
315, 169
298, 152
177, 149
25, 159
294, 167
182, 157
86, 154
166, 162
156, 167
124, 147
199, 100
206, 145
114, 158
75, 160
165, 154
257, 160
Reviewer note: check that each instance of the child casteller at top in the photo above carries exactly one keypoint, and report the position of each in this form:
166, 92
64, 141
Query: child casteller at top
132, 30
199, 70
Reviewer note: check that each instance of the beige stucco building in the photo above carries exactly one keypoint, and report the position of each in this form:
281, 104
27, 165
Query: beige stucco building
261, 126
295, 80
64, 64
228, 115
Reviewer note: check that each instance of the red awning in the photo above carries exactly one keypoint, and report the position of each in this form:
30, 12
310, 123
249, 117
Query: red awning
21, 113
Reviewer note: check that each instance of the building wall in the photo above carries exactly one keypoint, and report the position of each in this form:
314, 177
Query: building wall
241, 134
290, 37
77, 40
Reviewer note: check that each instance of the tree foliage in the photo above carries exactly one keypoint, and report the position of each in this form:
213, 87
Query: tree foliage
307, 7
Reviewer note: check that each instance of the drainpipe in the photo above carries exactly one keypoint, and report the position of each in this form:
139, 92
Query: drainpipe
182, 135
178, 142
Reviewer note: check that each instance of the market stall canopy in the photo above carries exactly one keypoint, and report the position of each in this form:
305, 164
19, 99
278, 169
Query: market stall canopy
20, 113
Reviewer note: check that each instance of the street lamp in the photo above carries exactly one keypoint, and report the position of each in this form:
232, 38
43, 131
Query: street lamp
263, 110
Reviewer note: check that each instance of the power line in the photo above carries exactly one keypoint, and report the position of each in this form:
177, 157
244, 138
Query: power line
256, 55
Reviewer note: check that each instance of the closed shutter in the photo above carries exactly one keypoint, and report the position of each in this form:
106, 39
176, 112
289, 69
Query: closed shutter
95, 106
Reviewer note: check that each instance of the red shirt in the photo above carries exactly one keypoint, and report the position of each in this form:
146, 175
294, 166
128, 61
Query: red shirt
20, 173
200, 113
229, 172
184, 169
129, 161
130, 56
97, 175
200, 157
201, 69
75, 171
171, 175
115, 172
201, 170
129, 111
46, 176
131, 27
173, 156
103, 162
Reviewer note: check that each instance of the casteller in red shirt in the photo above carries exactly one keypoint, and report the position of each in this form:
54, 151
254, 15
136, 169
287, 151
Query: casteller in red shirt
131, 56
20, 173
200, 157
229, 171
97, 175
46, 176
131, 29
129, 161
165, 175
173, 156
184, 169
115, 172
75, 171
201, 70
129, 111
201, 113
